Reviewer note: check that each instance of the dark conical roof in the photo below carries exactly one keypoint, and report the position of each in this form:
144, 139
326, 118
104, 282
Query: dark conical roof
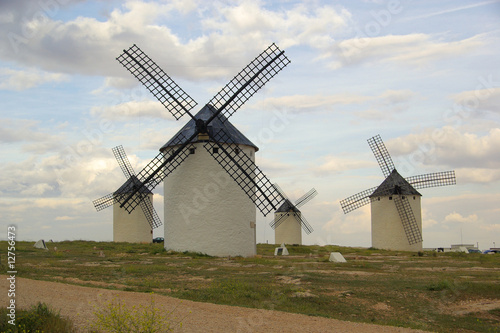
220, 122
394, 184
286, 207
131, 184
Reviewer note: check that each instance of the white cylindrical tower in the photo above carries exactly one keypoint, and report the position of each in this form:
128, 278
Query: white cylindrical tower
206, 211
387, 228
133, 227
289, 231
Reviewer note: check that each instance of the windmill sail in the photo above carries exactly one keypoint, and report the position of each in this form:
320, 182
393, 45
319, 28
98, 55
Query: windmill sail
407, 217
381, 154
175, 100
357, 200
249, 80
306, 198
433, 179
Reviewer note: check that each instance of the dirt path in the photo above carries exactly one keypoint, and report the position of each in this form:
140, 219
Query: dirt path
78, 303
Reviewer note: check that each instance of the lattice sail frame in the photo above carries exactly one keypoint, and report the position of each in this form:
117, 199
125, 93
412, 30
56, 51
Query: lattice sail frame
382, 155
123, 162
357, 200
306, 198
436, 179
150, 213
303, 222
249, 80
175, 100
410, 225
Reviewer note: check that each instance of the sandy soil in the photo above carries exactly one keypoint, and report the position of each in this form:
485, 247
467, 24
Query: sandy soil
78, 303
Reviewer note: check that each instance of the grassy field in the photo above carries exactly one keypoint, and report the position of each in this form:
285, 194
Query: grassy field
445, 292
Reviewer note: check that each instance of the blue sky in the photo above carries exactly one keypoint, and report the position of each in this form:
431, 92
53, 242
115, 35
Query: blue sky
422, 74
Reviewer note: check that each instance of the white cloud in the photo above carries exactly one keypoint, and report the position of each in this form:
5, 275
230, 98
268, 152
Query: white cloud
303, 103
480, 99
336, 165
491, 227
132, 109
427, 219
271, 165
408, 50
36, 189
229, 32
357, 222
59, 174
457, 218
64, 218
477, 175
451, 10
300, 25
391, 97
450, 147
24, 130
11, 79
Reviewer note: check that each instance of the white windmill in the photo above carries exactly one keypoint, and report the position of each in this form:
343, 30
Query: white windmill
206, 209
136, 227
396, 217
288, 219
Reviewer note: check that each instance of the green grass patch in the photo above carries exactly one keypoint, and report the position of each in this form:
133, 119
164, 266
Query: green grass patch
441, 285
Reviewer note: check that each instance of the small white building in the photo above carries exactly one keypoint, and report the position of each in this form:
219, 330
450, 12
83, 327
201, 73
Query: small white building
133, 227
206, 211
387, 228
289, 231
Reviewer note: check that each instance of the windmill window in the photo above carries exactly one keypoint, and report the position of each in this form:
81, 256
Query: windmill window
414, 198
237, 151
215, 150
403, 197
378, 198
192, 150
390, 198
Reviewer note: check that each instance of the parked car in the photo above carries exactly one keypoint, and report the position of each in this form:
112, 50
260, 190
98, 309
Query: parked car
158, 240
490, 251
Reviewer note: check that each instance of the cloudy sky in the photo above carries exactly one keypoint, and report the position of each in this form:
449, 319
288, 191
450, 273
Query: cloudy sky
424, 75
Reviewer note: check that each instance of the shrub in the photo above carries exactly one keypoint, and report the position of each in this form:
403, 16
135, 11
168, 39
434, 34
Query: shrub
115, 317
441, 285
38, 318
